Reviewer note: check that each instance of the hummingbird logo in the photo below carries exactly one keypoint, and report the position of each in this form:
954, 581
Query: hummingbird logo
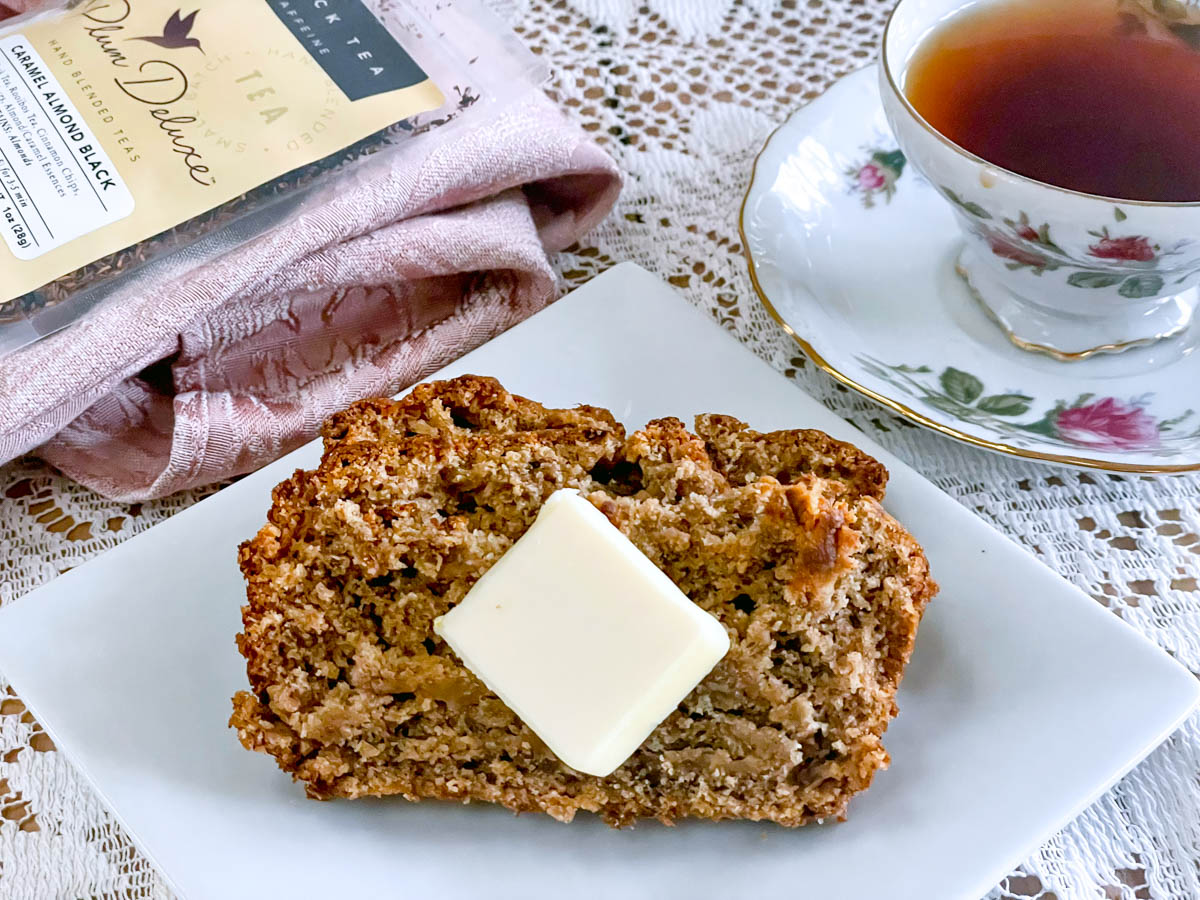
176, 33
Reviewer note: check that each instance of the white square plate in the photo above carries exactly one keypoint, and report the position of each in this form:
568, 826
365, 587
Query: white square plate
1004, 730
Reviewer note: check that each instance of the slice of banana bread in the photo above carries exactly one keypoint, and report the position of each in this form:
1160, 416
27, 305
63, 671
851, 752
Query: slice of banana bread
780, 536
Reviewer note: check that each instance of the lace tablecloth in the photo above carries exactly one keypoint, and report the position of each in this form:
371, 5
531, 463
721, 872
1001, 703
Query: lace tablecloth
683, 93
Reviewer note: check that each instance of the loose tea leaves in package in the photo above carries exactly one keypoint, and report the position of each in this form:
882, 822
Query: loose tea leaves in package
139, 139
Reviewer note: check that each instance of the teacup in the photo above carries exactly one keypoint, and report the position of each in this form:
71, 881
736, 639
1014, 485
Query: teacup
1062, 272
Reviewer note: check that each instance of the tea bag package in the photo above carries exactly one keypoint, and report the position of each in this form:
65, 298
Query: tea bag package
139, 139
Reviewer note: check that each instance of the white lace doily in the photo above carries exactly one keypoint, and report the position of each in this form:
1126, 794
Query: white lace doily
683, 93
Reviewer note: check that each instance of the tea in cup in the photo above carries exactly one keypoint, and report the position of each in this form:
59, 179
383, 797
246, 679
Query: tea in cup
1065, 135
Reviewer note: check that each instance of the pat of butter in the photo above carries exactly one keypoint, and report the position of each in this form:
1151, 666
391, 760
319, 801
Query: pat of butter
583, 637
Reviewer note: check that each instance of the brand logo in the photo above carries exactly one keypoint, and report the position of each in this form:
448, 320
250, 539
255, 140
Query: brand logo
175, 35
158, 83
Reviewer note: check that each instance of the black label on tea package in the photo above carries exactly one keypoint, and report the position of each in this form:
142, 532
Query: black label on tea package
350, 44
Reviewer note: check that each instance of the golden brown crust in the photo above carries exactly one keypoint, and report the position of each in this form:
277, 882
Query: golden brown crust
466, 404
780, 536
743, 454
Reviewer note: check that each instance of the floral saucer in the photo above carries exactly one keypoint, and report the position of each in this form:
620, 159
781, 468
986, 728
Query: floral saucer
854, 254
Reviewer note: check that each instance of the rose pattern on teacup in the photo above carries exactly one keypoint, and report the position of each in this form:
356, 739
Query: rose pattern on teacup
877, 176
1131, 248
1087, 422
1061, 272
1023, 246
1017, 256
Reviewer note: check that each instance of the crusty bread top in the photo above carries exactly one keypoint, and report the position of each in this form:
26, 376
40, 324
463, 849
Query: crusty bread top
743, 455
468, 404
473, 403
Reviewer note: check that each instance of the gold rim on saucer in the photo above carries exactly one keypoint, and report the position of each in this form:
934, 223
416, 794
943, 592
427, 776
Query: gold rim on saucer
897, 407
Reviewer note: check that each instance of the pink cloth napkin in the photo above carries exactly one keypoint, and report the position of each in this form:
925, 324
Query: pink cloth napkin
235, 364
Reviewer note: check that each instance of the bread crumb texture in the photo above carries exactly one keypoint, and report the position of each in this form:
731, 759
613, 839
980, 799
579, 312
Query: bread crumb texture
780, 536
